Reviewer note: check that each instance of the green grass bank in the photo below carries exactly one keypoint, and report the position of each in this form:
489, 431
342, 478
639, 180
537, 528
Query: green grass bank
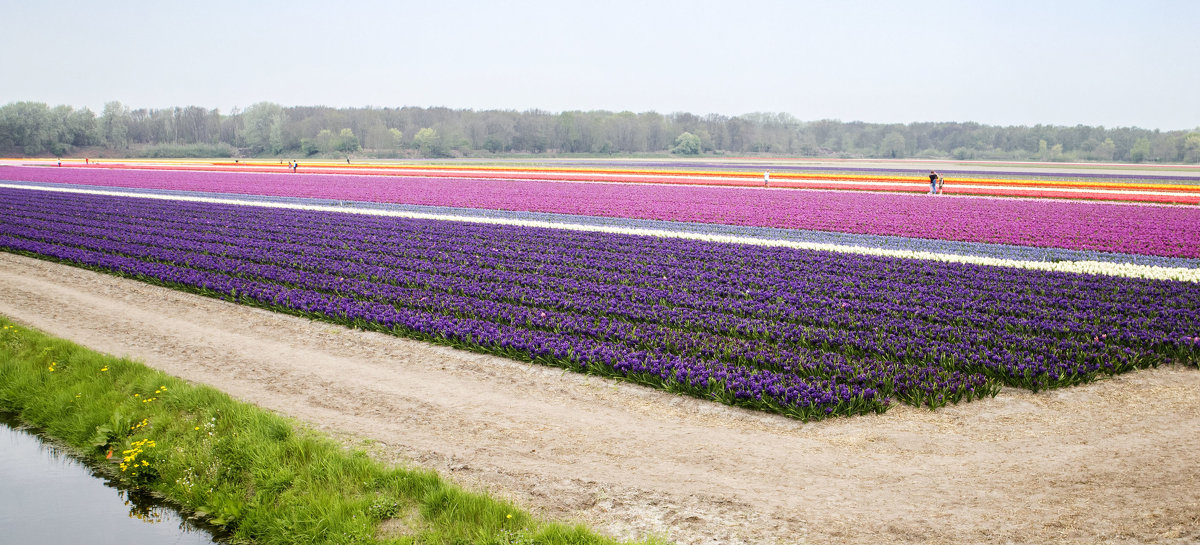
264, 478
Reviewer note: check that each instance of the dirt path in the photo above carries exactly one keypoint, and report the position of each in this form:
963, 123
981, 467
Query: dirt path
1117, 461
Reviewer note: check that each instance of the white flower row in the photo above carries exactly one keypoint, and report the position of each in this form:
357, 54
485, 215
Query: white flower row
1079, 267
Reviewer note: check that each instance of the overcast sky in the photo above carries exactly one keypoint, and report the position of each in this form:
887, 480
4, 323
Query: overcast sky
1014, 62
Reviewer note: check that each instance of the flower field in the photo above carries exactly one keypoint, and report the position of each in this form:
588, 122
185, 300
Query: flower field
1171, 184
804, 333
1169, 231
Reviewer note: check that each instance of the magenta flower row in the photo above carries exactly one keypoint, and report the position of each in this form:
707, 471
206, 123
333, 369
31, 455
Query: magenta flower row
1172, 231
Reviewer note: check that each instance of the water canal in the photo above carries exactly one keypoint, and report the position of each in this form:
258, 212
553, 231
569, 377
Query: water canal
50, 497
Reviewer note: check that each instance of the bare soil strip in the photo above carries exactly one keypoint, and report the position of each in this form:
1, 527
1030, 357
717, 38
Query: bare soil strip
1117, 461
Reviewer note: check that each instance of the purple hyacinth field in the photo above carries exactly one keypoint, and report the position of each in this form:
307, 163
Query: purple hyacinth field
1170, 231
802, 333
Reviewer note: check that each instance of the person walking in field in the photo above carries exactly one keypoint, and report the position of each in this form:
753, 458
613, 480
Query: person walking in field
767, 178
941, 182
933, 182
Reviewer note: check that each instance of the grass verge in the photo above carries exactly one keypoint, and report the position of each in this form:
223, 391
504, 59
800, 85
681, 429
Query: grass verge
263, 478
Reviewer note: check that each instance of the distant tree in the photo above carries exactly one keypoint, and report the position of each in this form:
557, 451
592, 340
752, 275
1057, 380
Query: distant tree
1140, 150
1168, 148
1056, 153
114, 125
58, 134
26, 125
656, 130
195, 127
275, 136
493, 144
33, 128
324, 141
456, 142
377, 137
1104, 151
263, 127
81, 127
346, 143
266, 128
706, 141
686, 144
892, 146
1191, 148
430, 144
569, 132
309, 147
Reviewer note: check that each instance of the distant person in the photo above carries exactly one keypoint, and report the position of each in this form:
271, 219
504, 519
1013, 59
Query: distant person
933, 181
767, 178
941, 182
294, 166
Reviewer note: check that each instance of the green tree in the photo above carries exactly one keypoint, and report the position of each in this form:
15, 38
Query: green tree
686, 144
27, 126
263, 127
81, 124
114, 125
275, 137
33, 128
346, 143
1056, 153
1140, 150
1191, 148
376, 137
1104, 151
1168, 148
59, 136
430, 143
325, 141
892, 146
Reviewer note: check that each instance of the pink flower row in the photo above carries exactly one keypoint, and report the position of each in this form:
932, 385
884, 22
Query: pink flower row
1172, 231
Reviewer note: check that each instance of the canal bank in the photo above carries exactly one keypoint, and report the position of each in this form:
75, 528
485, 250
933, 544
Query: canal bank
262, 478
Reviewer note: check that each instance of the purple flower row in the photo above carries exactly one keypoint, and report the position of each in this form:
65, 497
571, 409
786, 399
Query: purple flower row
804, 333
1170, 231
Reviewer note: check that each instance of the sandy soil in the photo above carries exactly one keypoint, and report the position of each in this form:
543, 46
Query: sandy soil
1117, 461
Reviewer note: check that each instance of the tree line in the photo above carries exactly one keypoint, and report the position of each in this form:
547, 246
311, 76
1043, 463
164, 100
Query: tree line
271, 130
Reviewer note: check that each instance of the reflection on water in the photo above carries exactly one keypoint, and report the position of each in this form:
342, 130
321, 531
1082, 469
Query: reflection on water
48, 497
